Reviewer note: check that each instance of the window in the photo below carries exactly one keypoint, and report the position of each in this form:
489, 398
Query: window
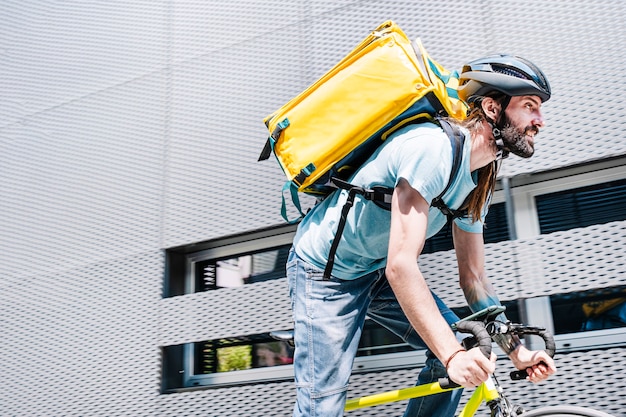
261, 351
581, 207
589, 310
496, 230
230, 262
236, 354
243, 269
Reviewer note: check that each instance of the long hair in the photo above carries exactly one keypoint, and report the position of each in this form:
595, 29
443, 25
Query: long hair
487, 175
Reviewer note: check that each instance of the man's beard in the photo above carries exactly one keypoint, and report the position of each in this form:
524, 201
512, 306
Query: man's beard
515, 139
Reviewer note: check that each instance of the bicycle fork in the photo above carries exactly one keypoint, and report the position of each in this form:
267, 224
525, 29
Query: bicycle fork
487, 391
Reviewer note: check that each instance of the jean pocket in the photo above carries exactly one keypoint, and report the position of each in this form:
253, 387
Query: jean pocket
314, 273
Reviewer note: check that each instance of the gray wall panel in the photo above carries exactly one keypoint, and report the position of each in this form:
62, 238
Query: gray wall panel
82, 182
338, 31
229, 312
200, 28
215, 183
268, 399
82, 342
56, 52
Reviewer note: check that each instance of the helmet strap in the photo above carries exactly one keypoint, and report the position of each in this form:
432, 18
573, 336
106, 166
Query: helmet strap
496, 129
501, 117
501, 152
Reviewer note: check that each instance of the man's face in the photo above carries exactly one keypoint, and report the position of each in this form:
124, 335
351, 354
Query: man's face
522, 120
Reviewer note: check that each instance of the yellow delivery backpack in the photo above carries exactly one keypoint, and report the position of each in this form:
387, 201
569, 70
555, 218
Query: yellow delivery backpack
331, 128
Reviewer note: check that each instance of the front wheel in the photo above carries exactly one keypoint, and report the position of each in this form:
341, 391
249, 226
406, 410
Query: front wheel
564, 411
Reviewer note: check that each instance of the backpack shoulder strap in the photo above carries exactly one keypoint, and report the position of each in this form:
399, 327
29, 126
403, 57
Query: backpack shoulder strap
457, 140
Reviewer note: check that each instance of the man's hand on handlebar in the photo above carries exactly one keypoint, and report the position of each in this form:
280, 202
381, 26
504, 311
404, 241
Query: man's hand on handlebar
471, 368
537, 363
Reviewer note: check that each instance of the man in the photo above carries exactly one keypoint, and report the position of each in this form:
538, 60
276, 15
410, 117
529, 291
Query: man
375, 271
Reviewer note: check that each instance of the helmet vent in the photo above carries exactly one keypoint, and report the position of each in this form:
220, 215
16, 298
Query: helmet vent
509, 71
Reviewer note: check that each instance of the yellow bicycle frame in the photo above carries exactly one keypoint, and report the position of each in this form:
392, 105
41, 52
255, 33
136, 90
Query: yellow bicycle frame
484, 392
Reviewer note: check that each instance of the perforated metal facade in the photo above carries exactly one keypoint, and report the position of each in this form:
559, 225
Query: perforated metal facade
127, 128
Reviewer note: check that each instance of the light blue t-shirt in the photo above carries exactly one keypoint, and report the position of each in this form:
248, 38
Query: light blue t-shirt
422, 155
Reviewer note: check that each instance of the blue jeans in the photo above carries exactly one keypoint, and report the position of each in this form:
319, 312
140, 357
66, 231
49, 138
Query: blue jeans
328, 321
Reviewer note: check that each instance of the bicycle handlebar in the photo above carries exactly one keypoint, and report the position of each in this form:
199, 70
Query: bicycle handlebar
481, 338
477, 329
550, 348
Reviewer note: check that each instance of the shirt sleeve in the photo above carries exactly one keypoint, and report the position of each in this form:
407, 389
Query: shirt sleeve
466, 224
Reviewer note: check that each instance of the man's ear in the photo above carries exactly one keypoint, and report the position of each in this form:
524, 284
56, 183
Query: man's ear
491, 108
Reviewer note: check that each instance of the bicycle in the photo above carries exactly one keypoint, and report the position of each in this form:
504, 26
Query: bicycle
482, 326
